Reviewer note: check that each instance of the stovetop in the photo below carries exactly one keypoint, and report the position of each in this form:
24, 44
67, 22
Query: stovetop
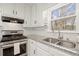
7, 38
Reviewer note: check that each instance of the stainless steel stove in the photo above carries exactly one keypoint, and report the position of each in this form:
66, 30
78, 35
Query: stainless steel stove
9, 41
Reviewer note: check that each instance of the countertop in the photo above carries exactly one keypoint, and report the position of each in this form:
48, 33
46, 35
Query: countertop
40, 38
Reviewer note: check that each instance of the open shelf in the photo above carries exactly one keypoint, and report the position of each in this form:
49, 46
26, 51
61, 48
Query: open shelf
66, 31
69, 16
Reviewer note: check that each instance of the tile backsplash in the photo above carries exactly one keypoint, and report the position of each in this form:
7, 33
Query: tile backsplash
71, 36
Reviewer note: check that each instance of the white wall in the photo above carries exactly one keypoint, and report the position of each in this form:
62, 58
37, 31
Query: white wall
44, 6
72, 37
40, 31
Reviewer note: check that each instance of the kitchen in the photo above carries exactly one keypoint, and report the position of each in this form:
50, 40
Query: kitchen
39, 29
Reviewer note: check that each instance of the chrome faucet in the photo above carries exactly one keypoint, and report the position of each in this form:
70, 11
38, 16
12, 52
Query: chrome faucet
59, 35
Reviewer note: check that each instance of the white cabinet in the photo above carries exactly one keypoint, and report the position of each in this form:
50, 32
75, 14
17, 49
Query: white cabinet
41, 52
27, 16
39, 49
41, 21
13, 10
47, 19
35, 50
31, 47
51, 51
34, 17
8, 10
19, 11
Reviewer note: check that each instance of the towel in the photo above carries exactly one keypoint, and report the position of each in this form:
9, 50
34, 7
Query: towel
16, 48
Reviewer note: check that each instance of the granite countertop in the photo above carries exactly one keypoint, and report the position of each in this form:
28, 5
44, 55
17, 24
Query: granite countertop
40, 38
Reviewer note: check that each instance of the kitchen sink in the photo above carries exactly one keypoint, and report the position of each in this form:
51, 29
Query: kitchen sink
66, 44
63, 43
51, 40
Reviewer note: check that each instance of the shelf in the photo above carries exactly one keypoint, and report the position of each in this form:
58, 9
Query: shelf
66, 31
69, 16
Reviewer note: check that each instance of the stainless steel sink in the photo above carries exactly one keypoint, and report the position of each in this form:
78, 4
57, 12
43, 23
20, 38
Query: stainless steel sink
60, 42
66, 44
51, 40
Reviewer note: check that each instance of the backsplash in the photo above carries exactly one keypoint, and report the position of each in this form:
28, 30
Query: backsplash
72, 37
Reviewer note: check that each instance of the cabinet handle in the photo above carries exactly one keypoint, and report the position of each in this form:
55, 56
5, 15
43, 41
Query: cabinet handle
16, 12
13, 11
34, 51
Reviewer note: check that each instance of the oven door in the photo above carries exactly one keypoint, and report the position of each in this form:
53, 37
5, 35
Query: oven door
8, 50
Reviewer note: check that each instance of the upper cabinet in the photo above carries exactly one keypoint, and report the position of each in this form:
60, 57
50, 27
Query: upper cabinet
34, 16
27, 16
19, 11
7, 10
13, 10
34, 19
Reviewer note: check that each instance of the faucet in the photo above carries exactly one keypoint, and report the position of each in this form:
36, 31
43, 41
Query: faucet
59, 35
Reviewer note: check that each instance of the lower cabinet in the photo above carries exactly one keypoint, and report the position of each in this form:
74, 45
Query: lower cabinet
35, 50
41, 52
31, 47
39, 49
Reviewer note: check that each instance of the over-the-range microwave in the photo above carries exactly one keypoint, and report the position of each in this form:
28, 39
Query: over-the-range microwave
9, 23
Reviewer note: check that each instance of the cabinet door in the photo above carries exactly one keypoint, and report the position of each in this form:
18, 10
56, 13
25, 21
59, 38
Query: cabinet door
41, 52
27, 16
37, 16
34, 16
49, 51
31, 48
19, 11
57, 52
40, 16
8, 10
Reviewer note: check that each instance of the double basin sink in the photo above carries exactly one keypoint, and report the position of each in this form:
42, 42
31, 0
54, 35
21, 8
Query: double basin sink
63, 43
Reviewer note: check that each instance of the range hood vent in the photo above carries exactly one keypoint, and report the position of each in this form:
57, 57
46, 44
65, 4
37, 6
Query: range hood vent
12, 20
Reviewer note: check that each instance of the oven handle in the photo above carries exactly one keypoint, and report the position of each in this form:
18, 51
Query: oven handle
12, 44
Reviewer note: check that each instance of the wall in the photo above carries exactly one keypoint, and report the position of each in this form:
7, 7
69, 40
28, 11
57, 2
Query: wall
72, 37
44, 32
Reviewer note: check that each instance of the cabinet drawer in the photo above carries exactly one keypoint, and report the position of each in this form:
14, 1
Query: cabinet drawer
41, 52
44, 47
